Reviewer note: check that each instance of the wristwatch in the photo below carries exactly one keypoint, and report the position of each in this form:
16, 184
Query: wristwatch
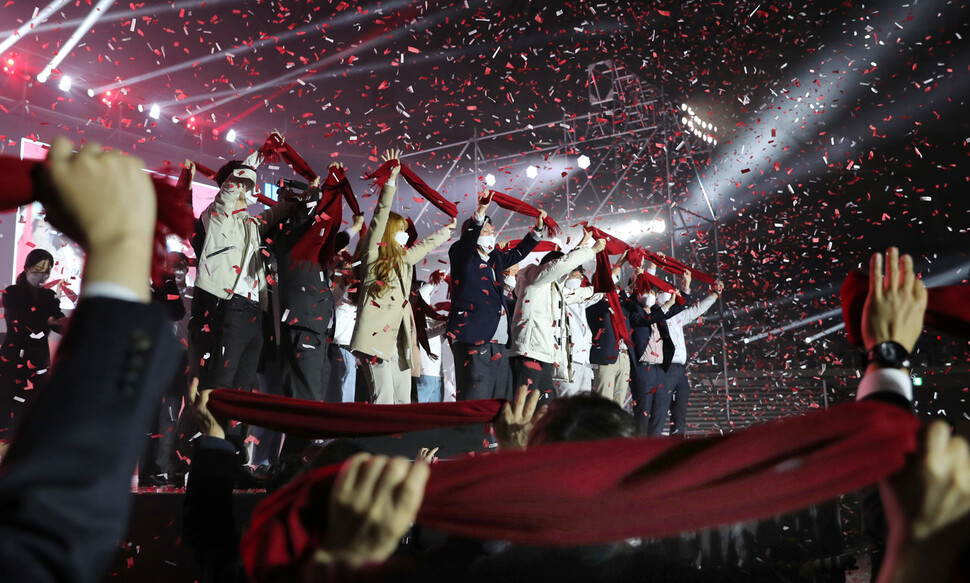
890, 355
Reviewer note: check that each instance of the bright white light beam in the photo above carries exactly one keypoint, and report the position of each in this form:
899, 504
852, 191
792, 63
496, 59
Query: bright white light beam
39, 19
82, 30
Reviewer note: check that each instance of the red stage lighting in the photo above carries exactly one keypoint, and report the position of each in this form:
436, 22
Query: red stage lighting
9, 65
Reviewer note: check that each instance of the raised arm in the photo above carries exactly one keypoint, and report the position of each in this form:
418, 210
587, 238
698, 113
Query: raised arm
368, 245
559, 268
419, 250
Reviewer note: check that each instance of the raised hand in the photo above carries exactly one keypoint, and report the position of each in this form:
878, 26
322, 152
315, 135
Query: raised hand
515, 419
212, 425
374, 502
599, 245
896, 302
541, 220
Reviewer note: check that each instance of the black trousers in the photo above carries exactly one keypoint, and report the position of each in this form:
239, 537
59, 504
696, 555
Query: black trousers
237, 331
305, 360
650, 396
482, 371
680, 389
535, 374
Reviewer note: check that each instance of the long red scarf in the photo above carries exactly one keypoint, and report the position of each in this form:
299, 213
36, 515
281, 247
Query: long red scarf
316, 246
173, 213
510, 203
570, 494
383, 173
316, 420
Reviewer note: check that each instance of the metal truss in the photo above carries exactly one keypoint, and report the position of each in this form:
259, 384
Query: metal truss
634, 130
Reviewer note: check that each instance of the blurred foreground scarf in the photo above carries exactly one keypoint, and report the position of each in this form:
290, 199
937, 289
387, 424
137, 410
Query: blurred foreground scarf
173, 208
584, 493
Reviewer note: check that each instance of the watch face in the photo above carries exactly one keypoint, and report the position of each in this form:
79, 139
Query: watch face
887, 351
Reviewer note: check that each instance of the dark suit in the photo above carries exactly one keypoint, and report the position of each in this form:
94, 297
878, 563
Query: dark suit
646, 377
482, 369
306, 300
65, 485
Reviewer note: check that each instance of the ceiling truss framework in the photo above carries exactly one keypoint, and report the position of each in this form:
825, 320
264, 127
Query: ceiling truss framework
640, 160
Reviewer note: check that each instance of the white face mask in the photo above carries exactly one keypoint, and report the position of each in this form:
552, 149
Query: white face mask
251, 197
510, 281
486, 242
401, 237
573, 283
37, 279
663, 297
647, 300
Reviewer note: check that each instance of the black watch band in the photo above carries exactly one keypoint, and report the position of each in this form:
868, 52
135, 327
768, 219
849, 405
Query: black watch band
890, 355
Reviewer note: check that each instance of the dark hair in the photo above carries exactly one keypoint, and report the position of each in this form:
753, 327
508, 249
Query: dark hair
580, 270
36, 256
225, 171
551, 256
584, 417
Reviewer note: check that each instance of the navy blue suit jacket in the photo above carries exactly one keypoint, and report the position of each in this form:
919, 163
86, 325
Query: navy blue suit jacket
641, 322
476, 285
65, 484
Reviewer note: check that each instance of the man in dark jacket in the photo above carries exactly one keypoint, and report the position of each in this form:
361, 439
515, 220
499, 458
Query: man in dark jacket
478, 324
65, 485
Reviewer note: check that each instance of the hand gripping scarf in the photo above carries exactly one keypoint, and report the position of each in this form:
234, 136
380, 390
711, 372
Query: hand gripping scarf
173, 211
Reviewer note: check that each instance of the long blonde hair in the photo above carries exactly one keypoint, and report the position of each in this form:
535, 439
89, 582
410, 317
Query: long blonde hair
390, 255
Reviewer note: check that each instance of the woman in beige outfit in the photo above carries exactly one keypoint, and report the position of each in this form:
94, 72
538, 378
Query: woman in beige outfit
383, 337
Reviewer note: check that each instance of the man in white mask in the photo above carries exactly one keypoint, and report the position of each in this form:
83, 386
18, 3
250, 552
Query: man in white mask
478, 326
672, 358
578, 299
540, 333
231, 269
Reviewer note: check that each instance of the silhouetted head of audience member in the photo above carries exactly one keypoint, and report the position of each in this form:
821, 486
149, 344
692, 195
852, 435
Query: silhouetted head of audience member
584, 417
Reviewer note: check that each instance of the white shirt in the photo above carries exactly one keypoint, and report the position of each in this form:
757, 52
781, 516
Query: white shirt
345, 316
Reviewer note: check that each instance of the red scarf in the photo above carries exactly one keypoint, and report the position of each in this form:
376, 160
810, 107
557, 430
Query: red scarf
947, 308
383, 173
316, 420
173, 213
317, 244
510, 203
583, 493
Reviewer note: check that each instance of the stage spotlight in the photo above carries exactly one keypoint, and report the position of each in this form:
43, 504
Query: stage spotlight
531, 171
683, 107
90, 92
231, 136
43, 76
8, 65
155, 112
490, 179
683, 121
64, 84
658, 226
174, 119
583, 161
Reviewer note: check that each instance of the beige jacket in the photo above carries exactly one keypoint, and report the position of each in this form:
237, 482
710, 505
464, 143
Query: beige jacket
386, 320
232, 257
540, 330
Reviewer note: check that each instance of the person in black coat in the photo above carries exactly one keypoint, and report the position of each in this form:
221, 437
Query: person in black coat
643, 315
478, 325
31, 313
65, 484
